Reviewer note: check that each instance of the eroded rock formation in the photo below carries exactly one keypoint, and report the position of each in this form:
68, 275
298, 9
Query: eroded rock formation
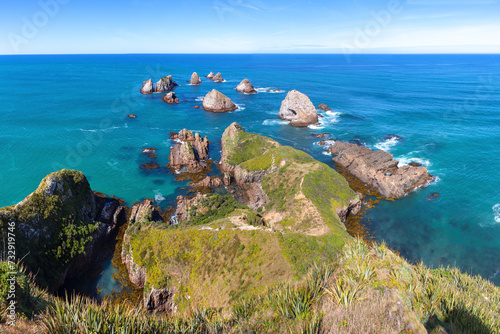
170, 98
147, 87
165, 84
218, 78
195, 79
378, 170
190, 152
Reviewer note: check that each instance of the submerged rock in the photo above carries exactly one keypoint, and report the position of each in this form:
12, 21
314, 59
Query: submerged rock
131, 116
378, 170
170, 98
215, 101
218, 78
165, 84
298, 109
195, 79
147, 87
246, 87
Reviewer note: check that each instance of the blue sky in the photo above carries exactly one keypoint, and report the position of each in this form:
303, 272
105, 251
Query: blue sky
249, 26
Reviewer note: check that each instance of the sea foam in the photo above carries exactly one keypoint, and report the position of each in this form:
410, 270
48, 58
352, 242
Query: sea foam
274, 122
496, 212
388, 144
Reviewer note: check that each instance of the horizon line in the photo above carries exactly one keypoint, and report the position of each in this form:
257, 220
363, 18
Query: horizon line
253, 53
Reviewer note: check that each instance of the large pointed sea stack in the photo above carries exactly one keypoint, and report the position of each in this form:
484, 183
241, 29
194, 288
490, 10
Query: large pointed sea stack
246, 87
147, 87
298, 109
195, 79
210, 75
215, 101
165, 84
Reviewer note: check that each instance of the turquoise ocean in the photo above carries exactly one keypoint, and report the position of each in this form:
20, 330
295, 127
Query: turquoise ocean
70, 111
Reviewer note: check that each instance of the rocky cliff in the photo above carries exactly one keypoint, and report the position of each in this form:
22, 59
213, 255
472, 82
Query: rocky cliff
63, 227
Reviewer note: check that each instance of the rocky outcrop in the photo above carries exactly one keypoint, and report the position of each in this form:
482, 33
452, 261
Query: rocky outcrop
190, 152
324, 107
353, 209
217, 102
165, 84
160, 300
186, 204
42, 220
136, 273
298, 109
378, 170
144, 212
246, 87
147, 87
217, 78
195, 79
209, 182
170, 98
210, 75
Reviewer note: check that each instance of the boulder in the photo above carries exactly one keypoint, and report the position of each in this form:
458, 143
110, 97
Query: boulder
195, 79
147, 87
246, 87
378, 170
218, 78
298, 109
215, 101
210, 75
170, 98
324, 107
165, 84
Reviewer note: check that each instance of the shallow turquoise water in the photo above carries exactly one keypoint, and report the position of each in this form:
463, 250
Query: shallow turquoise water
70, 112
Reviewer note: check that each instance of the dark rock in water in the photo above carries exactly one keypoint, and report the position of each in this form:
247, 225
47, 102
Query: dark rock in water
147, 87
165, 84
160, 300
170, 98
415, 164
391, 137
298, 109
246, 87
131, 116
273, 90
150, 165
150, 151
218, 78
378, 170
210, 75
324, 107
215, 101
195, 79
433, 196
321, 135
320, 116
197, 107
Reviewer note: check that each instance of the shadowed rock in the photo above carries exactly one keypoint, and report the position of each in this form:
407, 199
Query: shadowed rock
378, 170
195, 79
165, 84
191, 152
246, 87
170, 98
298, 109
215, 101
147, 87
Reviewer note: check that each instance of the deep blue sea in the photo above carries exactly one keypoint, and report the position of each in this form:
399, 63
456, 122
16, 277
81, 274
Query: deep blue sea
71, 112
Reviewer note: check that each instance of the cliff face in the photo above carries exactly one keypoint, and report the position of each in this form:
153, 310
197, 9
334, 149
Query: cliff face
63, 226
